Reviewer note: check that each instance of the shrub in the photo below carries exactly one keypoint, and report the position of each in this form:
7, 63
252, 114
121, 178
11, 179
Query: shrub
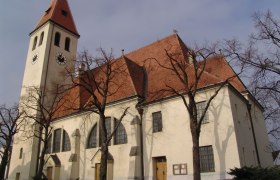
255, 173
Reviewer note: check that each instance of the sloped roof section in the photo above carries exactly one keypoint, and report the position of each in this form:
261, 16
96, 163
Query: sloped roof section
219, 67
137, 75
127, 81
142, 74
59, 12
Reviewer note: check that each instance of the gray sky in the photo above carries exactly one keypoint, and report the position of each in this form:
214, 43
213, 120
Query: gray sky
122, 24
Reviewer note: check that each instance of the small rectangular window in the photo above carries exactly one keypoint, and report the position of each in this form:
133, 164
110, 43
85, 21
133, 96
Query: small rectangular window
20, 153
206, 159
157, 121
200, 107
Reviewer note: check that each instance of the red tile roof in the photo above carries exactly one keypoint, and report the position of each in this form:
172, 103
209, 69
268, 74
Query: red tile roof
145, 78
59, 13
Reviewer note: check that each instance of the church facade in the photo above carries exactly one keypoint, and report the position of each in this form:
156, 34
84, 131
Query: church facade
233, 133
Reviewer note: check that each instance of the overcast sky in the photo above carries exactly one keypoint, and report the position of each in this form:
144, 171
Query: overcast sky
122, 24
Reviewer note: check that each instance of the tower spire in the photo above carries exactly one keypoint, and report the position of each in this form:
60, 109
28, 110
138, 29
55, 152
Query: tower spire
59, 13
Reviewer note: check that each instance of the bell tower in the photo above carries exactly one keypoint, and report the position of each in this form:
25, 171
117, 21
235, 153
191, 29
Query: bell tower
52, 47
52, 50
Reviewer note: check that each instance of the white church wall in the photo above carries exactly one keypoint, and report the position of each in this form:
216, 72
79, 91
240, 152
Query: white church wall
175, 143
261, 135
243, 130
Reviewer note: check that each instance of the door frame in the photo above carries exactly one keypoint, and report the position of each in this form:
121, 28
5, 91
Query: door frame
156, 160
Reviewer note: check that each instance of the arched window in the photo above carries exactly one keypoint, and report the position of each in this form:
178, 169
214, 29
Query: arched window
108, 129
20, 153
41, 38
56, 140
34, 43
120, 134
67, 44
48, 151
66, 146
92, 139
57, 39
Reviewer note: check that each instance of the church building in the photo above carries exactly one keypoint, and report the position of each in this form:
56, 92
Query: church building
154, 143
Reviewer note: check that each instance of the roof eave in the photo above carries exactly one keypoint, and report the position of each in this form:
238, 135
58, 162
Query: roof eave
74, 33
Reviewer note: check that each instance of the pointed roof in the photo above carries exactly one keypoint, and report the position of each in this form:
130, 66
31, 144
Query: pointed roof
59, 13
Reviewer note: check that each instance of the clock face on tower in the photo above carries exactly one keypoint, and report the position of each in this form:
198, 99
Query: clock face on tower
35, 58
60, 59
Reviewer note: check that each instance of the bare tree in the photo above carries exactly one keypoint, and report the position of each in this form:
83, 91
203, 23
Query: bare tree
261, 59
99, 79
10, 123
189, 70
40, 108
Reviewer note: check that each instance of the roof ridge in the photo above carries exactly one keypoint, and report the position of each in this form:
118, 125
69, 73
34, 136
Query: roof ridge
182, 45
55, 4
152, 43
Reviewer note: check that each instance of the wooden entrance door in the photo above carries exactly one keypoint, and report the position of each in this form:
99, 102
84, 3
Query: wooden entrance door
49, 173
18, 176
97, 171
161, 169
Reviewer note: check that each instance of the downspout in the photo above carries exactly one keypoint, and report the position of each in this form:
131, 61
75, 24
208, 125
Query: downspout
249, 107
140, 111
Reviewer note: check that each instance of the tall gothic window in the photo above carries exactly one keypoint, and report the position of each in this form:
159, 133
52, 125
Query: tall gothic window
108, 129
57, 39
66, 145
56, 140
67, 44
92, 139
120, 135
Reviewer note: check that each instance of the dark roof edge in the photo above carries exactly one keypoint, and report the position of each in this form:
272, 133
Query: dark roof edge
55, 24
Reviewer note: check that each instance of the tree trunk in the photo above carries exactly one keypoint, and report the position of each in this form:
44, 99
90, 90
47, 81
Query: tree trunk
42, 157
41, 164
104, 149
196, 158
4, 161
103, 166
